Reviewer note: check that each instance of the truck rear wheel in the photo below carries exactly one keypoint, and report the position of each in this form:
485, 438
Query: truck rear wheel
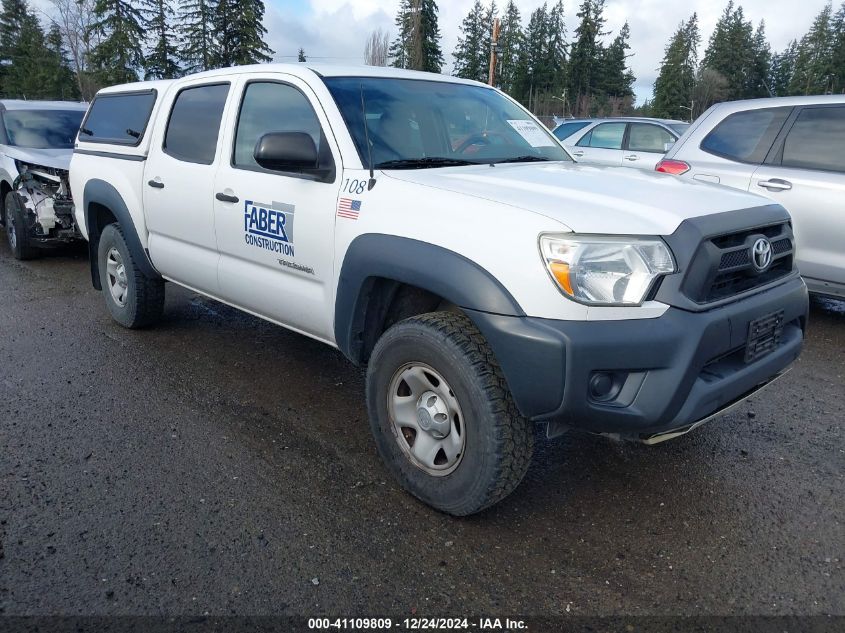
134, 300
442, 416
16, 228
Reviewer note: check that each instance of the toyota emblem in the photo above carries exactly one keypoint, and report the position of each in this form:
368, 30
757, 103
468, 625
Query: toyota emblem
761, 254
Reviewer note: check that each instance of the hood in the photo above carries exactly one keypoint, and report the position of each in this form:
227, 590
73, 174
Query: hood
587, 198
55, 158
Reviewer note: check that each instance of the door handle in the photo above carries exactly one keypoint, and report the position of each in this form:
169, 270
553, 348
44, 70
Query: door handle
156, 184
632, 157
225, 197
775, 184
578, 154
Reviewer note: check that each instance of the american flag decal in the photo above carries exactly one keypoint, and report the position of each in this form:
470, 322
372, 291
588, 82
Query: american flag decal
348, 208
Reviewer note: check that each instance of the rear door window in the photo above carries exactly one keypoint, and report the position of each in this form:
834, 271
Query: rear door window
604, 136
118, 118
746, 136
646, 137
194, 124
817, 140
565, 130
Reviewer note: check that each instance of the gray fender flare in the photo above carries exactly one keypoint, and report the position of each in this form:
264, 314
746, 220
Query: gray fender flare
100, 192
443, 272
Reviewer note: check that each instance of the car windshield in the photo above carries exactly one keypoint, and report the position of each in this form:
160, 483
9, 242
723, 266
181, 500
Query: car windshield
414, 124
42, 129
680, 128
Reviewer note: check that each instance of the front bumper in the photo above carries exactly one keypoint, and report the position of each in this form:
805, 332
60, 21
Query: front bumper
668, 373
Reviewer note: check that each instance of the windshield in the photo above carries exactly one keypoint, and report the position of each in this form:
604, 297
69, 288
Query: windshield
414, 123
42, 129
680, 128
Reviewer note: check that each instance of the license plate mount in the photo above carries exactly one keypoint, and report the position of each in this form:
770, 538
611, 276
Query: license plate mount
764, 335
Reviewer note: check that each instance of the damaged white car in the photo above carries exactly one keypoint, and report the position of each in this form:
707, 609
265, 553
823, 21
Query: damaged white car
36, 145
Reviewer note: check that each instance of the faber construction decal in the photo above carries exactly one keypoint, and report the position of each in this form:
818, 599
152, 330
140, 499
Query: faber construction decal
269, 226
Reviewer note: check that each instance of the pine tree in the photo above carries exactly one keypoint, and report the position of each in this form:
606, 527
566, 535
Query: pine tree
12, 18
33, 65
417, 46
814, 72
586, 49
301, 56
531, 72
673, 89
160, 62
511, 43
60, 82
471, 54
615, 78
757, 74
731, 51
118, 56
400, 52
782, 69
196, 29
838, 57
555, 55
239, 33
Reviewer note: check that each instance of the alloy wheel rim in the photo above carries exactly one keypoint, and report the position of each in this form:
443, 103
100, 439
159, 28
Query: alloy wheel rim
116, 271
426, 419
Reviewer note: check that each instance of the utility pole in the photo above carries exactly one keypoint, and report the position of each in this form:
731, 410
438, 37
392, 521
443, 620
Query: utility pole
494, 50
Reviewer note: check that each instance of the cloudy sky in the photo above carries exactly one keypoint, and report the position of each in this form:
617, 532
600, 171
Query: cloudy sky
335, 30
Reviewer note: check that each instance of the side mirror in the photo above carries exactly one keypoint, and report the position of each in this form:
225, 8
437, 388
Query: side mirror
286, 151
668, 146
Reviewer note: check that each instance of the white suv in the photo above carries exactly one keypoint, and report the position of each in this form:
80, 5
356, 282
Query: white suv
431, 229
36, 144
791, 150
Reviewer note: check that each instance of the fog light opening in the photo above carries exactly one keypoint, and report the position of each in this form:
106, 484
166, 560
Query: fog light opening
604, 386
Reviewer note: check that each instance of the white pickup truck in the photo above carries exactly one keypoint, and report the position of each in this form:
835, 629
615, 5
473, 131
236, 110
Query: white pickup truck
433, 230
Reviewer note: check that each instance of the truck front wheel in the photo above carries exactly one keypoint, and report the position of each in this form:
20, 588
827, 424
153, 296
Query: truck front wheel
16, 228
442, 416
133, 299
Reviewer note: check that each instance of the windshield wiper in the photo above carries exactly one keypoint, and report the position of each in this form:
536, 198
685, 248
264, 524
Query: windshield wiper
422, 163
522, 159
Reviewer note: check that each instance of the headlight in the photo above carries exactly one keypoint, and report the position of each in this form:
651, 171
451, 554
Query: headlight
603, 270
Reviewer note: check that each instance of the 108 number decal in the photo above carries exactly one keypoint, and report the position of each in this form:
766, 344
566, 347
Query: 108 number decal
354, 186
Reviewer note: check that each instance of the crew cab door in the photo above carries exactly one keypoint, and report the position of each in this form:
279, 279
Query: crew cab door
178, 185
275, 229
602, 145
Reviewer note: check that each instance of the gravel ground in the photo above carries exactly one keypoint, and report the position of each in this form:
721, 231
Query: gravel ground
217, 464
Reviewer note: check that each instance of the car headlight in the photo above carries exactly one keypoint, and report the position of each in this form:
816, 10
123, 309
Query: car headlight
605, 270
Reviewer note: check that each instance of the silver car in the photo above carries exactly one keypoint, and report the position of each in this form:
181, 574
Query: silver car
36, 145
627, 142
791, 150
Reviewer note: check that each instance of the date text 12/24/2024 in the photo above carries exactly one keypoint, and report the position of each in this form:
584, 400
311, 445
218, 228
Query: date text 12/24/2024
417, 624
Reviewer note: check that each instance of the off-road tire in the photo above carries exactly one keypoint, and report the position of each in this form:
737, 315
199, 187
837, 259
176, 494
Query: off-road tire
144, 303
499, 442
15, 220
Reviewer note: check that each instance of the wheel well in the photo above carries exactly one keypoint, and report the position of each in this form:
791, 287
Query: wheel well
385, 303
98, 217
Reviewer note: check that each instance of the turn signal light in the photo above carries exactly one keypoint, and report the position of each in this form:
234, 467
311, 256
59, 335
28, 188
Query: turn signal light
674, 167
561, 273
